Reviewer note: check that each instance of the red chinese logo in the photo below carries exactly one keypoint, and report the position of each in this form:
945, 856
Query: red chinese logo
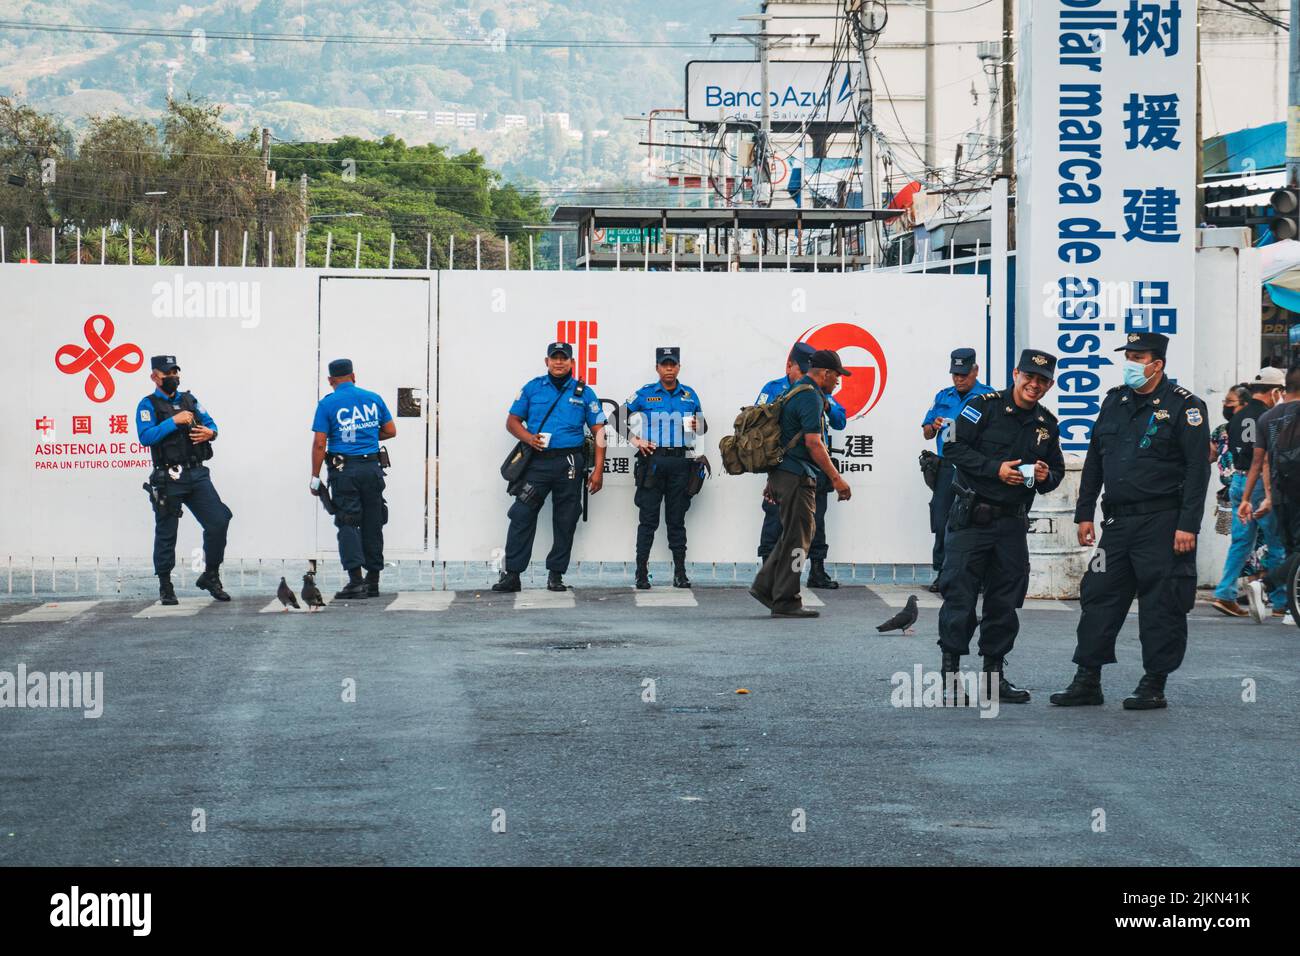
81, 424
99, 359
582, 336
862, 355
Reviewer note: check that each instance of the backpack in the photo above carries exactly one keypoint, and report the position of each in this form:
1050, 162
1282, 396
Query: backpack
755, 446
1286, 458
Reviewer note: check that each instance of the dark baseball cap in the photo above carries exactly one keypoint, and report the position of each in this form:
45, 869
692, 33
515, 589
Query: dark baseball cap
668, 353
828, 359
801, 355
1037, 362
164, 363
340, 367
961, 361
1152, 342
559, 348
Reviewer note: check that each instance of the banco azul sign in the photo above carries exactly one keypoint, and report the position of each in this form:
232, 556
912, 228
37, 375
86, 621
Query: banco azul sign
799, 92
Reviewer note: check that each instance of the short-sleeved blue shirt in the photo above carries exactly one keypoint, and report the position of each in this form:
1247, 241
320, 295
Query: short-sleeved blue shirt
802, 414
571, 413
351, 418
948, 402
657, 414
836, 417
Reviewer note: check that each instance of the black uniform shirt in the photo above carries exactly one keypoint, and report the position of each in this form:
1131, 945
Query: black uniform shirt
1241, 438
992, 429
1146, 447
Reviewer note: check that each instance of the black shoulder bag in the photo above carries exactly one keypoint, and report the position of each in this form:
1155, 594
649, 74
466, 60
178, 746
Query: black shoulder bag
516, 463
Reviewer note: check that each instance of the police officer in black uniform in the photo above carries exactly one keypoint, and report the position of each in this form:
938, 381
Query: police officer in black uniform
179, 432
1148, 449
1006, 447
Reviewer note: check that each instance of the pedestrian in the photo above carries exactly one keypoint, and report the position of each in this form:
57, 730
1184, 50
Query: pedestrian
551, 414
664, 419
792, 485
1243, 428
936, 423
349, 424
796, 366
1148, 450
180, 432
1275, 436
1005, 448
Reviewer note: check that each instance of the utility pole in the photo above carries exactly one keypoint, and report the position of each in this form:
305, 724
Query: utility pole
866, 123
930, 145
1293, 102
1008, 92
262, 198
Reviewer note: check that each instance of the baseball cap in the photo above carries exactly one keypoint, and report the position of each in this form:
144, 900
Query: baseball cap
559, 348
829, 359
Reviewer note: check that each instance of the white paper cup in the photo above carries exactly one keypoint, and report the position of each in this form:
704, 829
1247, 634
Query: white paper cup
546, 439
1028, 472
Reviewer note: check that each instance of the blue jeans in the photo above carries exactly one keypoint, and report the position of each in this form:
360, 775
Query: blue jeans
1243, 543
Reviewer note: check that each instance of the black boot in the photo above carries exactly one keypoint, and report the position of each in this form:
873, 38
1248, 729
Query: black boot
642, 575
1008, 693
509, 581
210, 581
555, 582
355, 589
818, 578
1150, 694
1084, 690
680, 580
372, 584
949, 677
166, 593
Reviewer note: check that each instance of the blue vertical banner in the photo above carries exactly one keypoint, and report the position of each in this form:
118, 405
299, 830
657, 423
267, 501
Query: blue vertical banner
1106, 190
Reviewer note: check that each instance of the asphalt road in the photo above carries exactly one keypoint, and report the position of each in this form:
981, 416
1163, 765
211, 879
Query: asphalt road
537, 719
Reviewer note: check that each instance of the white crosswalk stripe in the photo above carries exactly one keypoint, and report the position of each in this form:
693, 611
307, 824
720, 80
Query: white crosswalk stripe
188, 607
423, 601
811, 600
896, 595
276, 607
677, 597
54, 611
533, 598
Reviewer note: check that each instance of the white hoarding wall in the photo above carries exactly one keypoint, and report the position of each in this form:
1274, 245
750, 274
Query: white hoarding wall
799, 91
252, 342
1106, 160
893, 331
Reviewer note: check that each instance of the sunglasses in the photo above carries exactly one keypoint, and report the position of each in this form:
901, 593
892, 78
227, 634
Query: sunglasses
1150, 432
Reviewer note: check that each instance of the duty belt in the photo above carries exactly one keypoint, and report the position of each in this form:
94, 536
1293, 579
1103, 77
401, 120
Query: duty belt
558, 452
373, 456
1001, 510
1149, 507
672, 452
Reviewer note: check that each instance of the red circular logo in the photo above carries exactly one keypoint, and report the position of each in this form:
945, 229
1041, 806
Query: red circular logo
860, 354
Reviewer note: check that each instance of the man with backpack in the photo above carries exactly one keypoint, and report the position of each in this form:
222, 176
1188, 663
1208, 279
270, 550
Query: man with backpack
1277, 457
792, 484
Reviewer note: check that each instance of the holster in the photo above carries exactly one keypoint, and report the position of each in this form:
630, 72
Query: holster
961, 514
156, 489
643, 472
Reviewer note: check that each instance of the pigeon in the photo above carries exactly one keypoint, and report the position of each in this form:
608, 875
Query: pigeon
903, 620
310, 593
285, 594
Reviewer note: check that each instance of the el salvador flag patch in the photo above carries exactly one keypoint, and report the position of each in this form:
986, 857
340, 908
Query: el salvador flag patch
970, 413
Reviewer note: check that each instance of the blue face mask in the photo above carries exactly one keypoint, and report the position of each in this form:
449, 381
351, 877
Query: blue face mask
1135, 374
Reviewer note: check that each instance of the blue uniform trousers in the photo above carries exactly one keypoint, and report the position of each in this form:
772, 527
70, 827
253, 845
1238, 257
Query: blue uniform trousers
671, 476
546, 477
194, 490
357, 490
940, 505
995, 559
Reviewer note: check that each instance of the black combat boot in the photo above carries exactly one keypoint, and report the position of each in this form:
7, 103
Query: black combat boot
1084, 690
555, 582
210, 581
509, 581
355, 589
166, 593
1008, 693
680, 580
372, 584
818, 578
948, 675
642, 575
1150, 694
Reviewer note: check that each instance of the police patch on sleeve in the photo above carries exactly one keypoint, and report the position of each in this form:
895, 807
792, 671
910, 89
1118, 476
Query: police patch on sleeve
594, 406
970, 413
145, 416
1194, 416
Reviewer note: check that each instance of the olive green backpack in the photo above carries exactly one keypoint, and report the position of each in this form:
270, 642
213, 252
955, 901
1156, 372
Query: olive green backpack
756, 447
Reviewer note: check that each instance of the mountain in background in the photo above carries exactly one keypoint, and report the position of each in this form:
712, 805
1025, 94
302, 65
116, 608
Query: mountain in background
569, 98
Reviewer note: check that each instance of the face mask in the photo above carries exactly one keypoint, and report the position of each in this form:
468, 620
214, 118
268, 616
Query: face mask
170, 383
1135, 374
1228, 411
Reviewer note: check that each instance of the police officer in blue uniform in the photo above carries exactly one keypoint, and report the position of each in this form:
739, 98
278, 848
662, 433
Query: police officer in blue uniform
349, 424
1006, 447
179, 433
551, 413
1148, 449
796, 366
948, 402
664, 418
